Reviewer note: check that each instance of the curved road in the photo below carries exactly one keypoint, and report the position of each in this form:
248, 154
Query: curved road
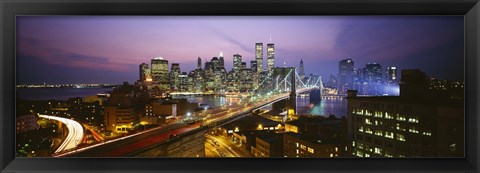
75, 132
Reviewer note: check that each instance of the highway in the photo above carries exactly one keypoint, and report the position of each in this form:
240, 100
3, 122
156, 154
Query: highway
224, 147
138, 141
74, 136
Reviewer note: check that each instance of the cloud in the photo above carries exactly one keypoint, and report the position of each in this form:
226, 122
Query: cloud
230, 39
29, 47
392, 39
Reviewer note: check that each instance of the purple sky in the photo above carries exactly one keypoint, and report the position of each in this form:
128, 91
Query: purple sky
108, 49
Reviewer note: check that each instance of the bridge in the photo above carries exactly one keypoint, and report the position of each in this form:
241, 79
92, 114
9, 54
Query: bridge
282, 84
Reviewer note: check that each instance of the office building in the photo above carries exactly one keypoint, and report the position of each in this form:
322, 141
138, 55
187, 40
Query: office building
144, 72
316, 136
391, 75
159, 68
270, 56
302, 72
237, 63
345, 75
173, 76
259, 56
418, 123
221, 60
199, 63
373, 73
253, 66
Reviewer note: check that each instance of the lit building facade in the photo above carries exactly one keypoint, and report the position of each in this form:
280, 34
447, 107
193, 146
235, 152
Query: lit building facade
259, 56
270, 56
373, 73
391, 75
144, 72
159, 68
199, 63
302, 70
237, 62
119, 120
418, 123
298, 145
345, 75
174, 80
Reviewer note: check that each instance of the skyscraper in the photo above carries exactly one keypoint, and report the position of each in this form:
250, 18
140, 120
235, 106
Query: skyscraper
237, 62
143, 68
345, 75
221, 60
373, 72
174, 73
259, 56
199, 63
302, 72
270, 56
253, 66
160, 72
391, 75
243, 66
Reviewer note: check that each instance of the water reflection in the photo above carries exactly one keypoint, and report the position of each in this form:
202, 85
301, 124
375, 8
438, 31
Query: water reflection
328, 105
336, 105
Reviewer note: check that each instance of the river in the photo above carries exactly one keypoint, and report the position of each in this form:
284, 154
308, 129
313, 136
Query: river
327, 106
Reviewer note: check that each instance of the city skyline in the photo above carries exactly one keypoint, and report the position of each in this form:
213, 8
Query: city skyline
67, 49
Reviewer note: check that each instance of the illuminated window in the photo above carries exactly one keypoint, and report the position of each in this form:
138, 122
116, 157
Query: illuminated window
389, 134
367, 155
360, 129
359, 112
331, 154
360, 145
379, 132
378, 150
296, 144
413, 120
427, 133
368, 121
359, 154
297, 151
336, 149
400, 137
378, 114
368, 113
368, 130
310, 150
303, 147
388, 116
401, 117
413, 130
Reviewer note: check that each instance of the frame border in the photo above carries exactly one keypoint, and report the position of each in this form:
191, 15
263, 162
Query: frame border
11, 8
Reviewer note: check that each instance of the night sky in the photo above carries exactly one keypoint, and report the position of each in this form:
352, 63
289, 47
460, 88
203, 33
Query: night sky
108, 49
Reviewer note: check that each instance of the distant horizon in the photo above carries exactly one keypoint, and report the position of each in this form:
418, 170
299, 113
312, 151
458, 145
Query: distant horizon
108, 49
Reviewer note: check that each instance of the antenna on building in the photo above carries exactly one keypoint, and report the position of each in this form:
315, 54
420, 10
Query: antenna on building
270, 37
221, 54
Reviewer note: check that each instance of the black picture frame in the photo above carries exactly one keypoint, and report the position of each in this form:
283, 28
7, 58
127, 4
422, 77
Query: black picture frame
11, 8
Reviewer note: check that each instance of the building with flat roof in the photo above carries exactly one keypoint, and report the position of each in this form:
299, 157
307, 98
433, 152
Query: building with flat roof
418, 123
316, 136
